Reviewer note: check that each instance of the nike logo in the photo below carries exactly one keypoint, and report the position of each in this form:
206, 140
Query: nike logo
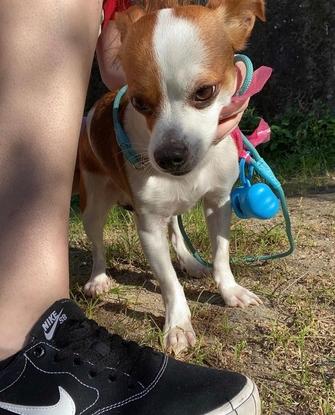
65, 406
52, 319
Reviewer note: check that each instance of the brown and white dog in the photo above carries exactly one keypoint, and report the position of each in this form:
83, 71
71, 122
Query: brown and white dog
179, 66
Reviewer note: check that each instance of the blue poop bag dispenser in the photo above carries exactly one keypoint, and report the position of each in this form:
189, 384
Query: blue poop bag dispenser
253, 200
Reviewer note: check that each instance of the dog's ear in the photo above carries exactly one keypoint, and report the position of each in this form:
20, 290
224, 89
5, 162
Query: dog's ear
239, 18
125, 19
109, 44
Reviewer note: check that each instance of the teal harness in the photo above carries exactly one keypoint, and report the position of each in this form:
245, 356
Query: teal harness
251, 157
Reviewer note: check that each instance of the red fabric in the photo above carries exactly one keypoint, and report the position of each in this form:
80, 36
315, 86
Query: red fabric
112, 6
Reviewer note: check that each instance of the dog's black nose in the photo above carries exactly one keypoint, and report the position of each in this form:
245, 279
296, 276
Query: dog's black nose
172, 156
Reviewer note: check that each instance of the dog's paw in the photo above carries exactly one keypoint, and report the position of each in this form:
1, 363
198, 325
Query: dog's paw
193, 268
238, 296
179, 338
97, 285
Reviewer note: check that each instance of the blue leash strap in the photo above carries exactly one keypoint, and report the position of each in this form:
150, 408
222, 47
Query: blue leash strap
264, 170
121, 137
249, 73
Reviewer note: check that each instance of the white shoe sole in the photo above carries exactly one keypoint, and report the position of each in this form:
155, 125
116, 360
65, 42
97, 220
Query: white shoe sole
247, 402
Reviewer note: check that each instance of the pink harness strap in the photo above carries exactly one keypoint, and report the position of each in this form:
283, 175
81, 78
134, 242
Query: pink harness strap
262, 133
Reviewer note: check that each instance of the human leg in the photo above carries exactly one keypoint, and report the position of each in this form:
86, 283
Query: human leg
46, 50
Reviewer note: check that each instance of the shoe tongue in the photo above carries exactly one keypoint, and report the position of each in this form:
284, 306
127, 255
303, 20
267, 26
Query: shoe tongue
51, 322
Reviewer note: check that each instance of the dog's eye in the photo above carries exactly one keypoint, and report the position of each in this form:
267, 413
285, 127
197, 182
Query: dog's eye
140, 105
204, 93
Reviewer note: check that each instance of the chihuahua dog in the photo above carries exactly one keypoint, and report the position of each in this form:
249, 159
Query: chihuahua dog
180, 71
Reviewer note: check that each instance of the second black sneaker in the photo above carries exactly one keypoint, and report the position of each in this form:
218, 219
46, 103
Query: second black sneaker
71, 366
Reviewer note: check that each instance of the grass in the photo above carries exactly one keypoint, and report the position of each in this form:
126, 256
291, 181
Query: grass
287, 345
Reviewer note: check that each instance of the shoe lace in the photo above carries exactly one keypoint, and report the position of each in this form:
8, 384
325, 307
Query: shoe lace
92, 343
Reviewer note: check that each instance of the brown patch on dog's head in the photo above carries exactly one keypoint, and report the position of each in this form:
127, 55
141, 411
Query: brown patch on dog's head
171, 57
225, 26
138, 62
219, 66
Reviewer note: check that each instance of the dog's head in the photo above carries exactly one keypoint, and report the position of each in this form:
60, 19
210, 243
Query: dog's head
179, 66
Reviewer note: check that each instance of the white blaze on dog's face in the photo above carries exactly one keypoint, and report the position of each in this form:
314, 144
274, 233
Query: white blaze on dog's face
179, 65
192, 92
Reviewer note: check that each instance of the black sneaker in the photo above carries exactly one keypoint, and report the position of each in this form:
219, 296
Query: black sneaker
73, 367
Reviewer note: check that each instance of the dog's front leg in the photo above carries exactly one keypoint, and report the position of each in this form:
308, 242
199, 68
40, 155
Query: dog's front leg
218, 217
178, 330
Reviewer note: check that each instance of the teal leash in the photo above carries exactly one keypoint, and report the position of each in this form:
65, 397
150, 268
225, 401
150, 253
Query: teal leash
249, 73
121, 137
264, 170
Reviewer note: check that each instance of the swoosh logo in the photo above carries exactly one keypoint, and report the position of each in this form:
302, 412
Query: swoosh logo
50, 333
65, 406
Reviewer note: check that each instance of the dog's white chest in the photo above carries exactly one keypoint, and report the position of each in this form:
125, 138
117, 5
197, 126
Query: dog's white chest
169, 197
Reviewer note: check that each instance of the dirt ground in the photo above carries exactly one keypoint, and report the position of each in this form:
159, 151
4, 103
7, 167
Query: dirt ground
287, 345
